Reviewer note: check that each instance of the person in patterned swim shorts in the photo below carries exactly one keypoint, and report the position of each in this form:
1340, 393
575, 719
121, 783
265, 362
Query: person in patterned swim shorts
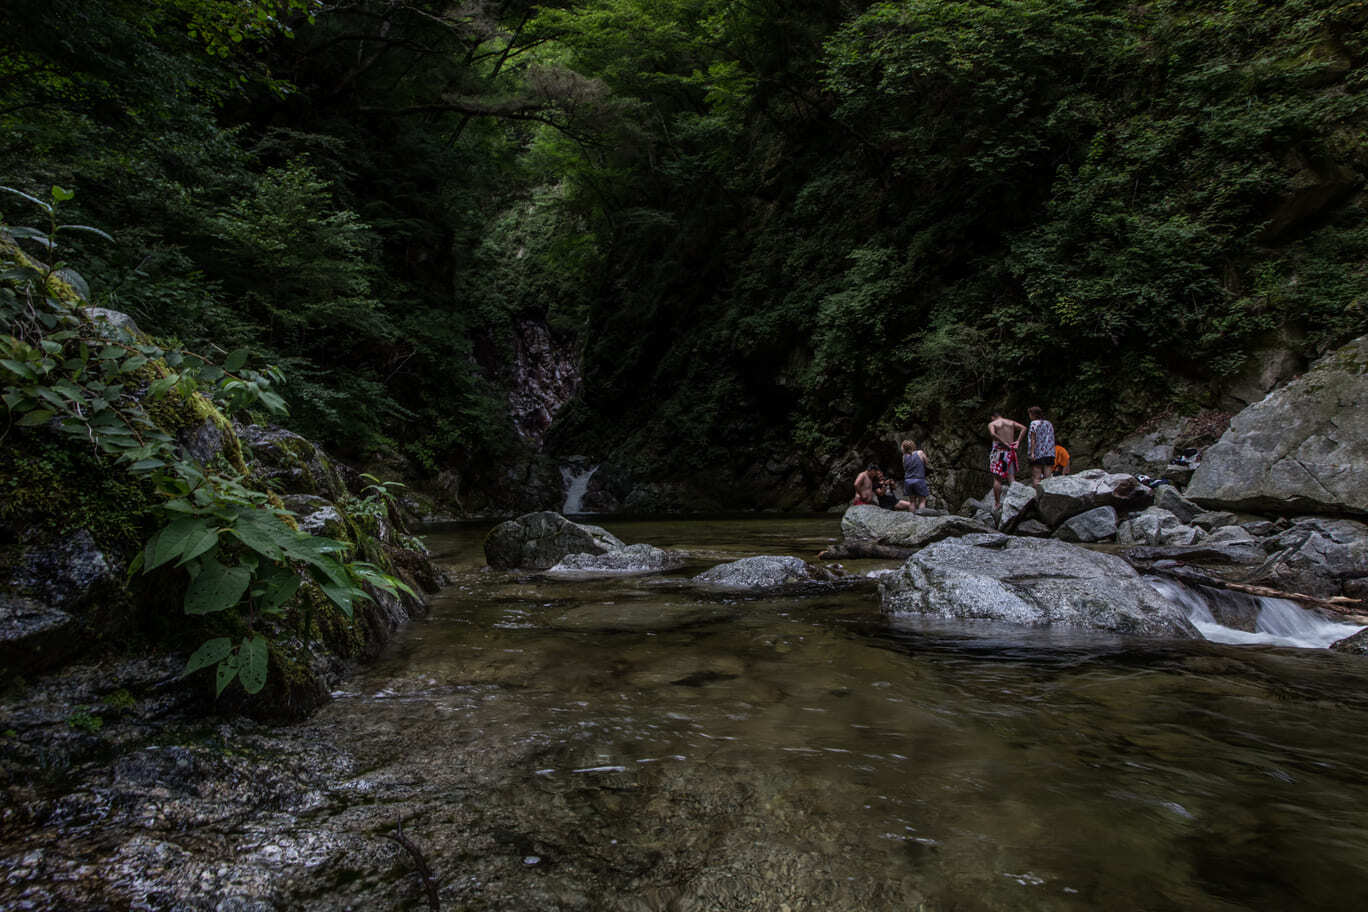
1002, 460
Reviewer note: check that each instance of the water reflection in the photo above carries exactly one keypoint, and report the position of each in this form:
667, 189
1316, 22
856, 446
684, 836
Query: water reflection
658, 750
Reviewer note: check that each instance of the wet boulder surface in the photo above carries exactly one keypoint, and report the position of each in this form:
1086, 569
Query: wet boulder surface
1302, 449
1031, 582
539, 541
632, 559
761, 572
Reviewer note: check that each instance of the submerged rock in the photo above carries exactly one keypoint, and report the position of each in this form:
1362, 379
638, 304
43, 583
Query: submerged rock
539, 541
1303, 448
641, 558
902, 529
1034, 582
763, 572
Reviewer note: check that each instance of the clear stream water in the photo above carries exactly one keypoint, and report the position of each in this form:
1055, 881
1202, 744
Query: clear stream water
632, 744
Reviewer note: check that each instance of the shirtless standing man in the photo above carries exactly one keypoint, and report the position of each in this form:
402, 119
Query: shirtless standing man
1002, 461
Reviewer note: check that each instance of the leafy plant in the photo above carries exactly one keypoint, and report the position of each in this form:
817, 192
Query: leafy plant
102, 386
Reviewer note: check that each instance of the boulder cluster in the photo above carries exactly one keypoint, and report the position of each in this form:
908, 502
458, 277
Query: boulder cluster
1277, 503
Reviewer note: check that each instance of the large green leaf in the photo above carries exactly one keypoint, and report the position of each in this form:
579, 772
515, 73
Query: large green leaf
276, 587
227, 670
215, 650
264, 533
252, 664
197, 544
216, 587
172, 541
236, 360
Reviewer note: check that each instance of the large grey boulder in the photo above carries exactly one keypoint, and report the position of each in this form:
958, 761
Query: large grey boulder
1303, 448
539, 541
1156, 526
901, 529
1031, 581
763, 572
641, 558
1063, 496
1096, 525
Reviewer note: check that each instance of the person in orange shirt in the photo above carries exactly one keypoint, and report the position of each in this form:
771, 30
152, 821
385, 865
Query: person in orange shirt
1061, 463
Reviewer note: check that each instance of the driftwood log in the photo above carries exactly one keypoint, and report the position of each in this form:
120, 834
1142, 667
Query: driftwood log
420, 862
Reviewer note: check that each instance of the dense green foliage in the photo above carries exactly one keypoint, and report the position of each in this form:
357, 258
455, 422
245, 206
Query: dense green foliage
768, 226
123, 401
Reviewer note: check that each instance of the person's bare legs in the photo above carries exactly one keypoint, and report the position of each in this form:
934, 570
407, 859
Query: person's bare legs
1036, 472
921, 505
997, 491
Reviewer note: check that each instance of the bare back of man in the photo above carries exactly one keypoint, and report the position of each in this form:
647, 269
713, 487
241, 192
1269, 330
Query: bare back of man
1002, 461
864, 488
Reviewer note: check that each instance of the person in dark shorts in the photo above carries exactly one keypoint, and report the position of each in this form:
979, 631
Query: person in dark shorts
1040, 447
914, 478
883, 491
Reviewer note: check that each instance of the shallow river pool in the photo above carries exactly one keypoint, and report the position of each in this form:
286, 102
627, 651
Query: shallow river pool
636, 744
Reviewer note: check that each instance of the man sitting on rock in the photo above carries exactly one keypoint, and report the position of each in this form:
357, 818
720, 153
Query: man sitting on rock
1002, 461
864, 487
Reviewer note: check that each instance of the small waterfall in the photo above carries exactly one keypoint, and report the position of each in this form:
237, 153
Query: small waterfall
576, 486
1277, 622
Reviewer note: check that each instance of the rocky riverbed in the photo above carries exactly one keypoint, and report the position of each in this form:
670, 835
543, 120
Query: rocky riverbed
647, 742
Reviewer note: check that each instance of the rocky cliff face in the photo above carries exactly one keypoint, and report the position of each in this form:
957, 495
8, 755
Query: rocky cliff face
544, 377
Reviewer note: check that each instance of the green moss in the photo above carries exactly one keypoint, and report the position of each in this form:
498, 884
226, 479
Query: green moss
51, 488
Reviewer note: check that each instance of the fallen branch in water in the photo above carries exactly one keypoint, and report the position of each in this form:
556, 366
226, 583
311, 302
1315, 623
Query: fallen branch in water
849, 550
420, 862
1338, 604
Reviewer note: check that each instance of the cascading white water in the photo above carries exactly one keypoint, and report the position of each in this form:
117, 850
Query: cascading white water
1279, 622
576, 486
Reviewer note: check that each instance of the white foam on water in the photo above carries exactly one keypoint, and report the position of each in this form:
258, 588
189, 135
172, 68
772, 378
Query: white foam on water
1279, 623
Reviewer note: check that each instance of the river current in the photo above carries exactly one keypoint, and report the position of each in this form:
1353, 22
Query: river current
635, 744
